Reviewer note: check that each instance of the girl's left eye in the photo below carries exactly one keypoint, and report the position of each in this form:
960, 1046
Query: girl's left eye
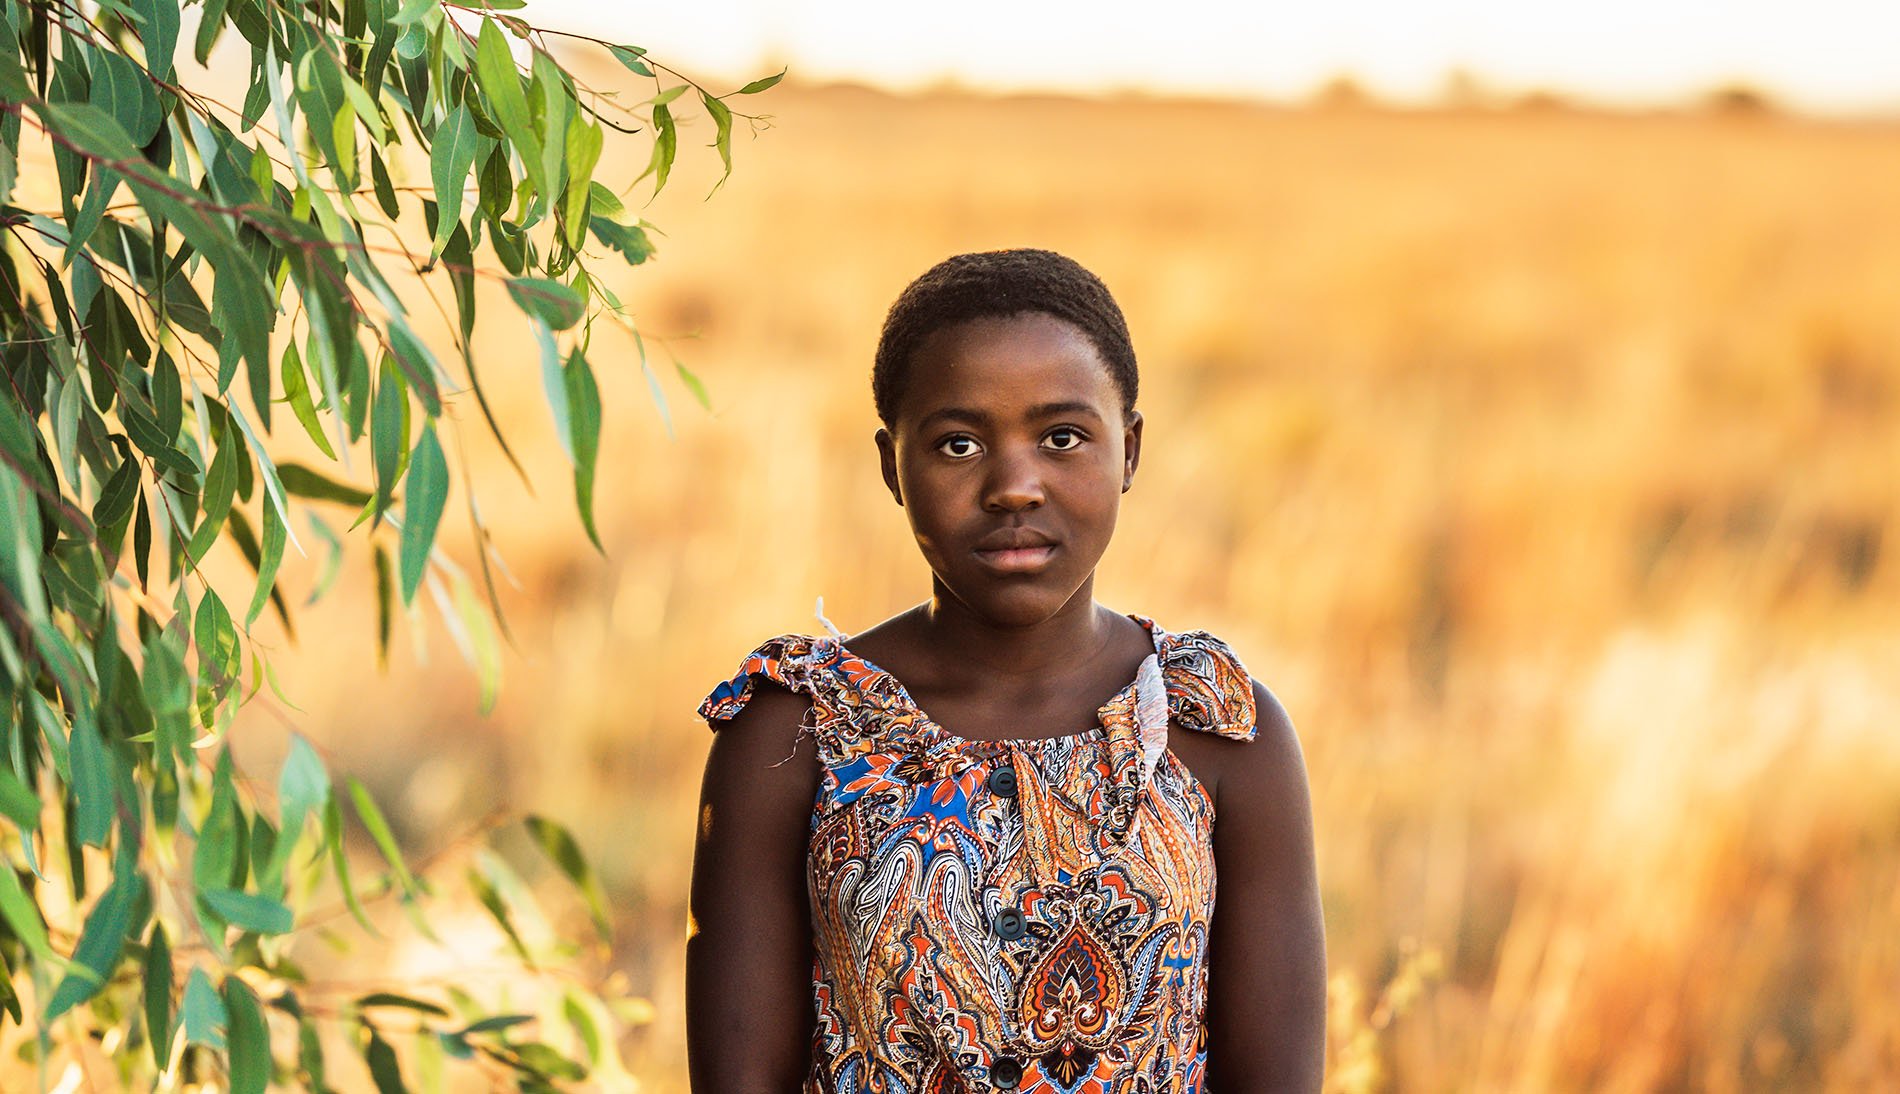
1063, 439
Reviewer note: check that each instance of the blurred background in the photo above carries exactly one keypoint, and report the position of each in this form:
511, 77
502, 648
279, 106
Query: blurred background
1523, 403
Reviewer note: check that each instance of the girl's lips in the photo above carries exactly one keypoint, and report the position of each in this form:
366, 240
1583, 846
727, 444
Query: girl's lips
1016, 560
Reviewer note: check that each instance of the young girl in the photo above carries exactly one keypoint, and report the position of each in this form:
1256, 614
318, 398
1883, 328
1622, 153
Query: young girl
974, 848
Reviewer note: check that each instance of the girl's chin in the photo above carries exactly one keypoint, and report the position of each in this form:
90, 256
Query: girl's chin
1012, 602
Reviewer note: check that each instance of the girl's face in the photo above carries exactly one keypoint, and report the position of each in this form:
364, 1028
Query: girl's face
1009, 453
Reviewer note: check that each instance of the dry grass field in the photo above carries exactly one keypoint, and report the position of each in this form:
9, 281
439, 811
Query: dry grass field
1546, 464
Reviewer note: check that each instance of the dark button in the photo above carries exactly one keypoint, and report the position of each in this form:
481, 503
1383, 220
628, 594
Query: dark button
1005, 1071
1011, 924
1003, 782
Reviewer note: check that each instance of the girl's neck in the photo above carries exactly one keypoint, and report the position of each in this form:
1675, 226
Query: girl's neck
967, 644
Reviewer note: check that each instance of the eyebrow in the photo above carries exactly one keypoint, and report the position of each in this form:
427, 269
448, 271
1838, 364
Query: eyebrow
979, 418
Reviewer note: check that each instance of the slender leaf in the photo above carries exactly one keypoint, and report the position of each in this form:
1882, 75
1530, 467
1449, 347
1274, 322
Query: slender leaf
249, 1039
559, 845
100, 944
557, 305
157, 986
759, 85
428, 492
372, 818
450, 158
249, 911
495, 72
297, 393
205, 1017
583, 407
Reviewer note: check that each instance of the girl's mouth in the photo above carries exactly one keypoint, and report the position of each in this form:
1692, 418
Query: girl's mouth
1016, 560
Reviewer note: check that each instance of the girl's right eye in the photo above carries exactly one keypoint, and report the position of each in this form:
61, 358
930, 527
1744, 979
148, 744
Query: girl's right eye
958, 447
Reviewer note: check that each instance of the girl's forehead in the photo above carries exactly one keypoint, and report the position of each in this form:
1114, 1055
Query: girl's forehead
1005, 359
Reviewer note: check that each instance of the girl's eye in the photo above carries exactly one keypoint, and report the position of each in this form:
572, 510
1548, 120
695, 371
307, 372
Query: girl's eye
958, 447
1063, 439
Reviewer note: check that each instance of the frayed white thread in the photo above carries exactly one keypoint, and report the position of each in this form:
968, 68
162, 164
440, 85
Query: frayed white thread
819, 611
807, 726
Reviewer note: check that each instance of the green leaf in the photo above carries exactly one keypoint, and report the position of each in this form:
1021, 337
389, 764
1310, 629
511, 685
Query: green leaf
722, 132
124, 92
297, 392
555, 304
629, 240
21, 805
428, 491
413, 11
204, 1012
584, 142
23, 915
584, 1025
494, 1024
381, 1059
303, 786
694, 385
100, 945
372, 819
214, 859
271, 556
665, 146
20, 542
250, 1070
495, 72
450, 158
385, 604
210, 23
543, 1060
391, 999
557, 106
554, 385
759, 85
559, 845
583, 407
307, 483
115, 498
630, 56
249, 911
385, 190
220, 485
217, 642
340, 864
92, 784
158, 31
156, 976
605, 202
388, 432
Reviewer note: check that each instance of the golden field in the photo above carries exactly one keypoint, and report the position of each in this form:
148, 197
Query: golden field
1545, 464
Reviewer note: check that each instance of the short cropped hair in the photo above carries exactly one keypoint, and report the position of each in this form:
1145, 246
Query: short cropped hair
1000, 285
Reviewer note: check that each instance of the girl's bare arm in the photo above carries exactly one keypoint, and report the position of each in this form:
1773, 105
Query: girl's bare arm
1266, 1005
749, 1013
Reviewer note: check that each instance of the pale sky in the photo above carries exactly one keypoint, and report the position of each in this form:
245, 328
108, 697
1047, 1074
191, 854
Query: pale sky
1825, 55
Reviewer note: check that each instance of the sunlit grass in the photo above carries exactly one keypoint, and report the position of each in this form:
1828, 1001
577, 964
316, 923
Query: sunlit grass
1544, 465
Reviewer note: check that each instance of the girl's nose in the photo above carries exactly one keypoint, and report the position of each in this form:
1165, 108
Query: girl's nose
1014, 483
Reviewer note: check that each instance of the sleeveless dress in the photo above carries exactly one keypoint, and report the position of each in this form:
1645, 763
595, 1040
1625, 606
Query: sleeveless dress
1026, 915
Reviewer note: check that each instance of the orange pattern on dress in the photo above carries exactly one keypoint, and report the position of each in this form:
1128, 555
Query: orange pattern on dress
1041, 930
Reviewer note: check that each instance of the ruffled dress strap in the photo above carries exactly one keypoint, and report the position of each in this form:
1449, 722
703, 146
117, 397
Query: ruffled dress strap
856, 708
1209, 690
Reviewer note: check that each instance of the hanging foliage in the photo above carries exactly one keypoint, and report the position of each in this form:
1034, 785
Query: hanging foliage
214, 274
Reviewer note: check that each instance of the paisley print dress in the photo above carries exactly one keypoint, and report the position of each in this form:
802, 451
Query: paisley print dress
1023, 915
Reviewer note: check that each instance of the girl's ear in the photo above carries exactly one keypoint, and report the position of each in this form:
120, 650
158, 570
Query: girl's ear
1131, 449
887, 462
